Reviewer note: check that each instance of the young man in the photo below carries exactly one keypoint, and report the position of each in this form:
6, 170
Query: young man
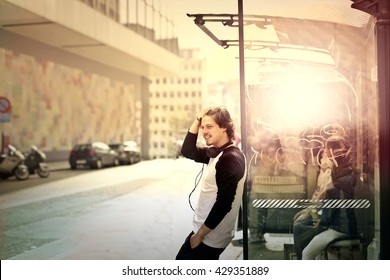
221, 188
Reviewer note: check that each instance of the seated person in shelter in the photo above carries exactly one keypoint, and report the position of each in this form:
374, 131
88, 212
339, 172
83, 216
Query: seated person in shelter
306, 220
335, 222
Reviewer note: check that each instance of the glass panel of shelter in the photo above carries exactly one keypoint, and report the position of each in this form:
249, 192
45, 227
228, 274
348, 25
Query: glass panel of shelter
295, 110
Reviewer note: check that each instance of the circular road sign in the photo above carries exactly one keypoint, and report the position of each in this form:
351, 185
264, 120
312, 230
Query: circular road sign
5, 104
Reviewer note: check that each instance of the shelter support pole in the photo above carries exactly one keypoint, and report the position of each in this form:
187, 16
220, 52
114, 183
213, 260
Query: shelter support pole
243, 123
383, 53
380, 9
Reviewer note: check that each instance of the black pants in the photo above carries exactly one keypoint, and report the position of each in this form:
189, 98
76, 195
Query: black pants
202, 252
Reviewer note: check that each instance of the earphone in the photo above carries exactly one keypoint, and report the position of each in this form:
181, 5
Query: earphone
212, 151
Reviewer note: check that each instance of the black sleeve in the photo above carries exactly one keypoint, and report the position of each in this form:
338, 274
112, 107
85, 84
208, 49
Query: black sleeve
346, 185
341, 188
229, 171
191, 151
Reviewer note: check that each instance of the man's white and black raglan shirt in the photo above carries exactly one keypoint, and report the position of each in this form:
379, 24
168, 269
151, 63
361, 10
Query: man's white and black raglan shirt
221, 190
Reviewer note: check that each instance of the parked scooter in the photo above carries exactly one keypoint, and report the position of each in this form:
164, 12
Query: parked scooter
11, 164
35, 162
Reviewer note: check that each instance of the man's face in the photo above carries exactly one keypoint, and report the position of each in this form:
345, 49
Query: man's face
212, 133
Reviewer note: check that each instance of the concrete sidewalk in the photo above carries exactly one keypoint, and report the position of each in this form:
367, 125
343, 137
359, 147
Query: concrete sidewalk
148, 223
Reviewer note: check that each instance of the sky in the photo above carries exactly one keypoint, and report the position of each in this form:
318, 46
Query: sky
222, 63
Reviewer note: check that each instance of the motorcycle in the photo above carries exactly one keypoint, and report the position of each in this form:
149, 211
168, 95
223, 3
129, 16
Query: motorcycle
12, 164
35, 162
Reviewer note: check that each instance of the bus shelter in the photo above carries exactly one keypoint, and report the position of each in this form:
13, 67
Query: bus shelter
311, 85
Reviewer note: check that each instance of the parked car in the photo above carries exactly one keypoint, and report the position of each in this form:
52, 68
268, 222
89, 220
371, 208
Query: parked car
122, 155
128, 152
132, 148
95, 155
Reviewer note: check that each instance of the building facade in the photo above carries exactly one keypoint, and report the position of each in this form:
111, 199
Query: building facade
174, 101
74, 71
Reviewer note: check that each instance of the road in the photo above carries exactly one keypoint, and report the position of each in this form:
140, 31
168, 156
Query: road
12, 184
139, 211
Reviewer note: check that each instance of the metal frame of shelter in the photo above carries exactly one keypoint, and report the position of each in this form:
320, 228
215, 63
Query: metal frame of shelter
380, 10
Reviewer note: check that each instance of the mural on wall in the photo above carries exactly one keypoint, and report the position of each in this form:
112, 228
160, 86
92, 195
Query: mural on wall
55, 106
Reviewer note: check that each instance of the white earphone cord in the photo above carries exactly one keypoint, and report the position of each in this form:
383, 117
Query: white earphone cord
197, 180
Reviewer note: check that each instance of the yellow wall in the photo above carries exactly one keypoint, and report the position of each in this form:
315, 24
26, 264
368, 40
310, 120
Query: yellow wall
55, 106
